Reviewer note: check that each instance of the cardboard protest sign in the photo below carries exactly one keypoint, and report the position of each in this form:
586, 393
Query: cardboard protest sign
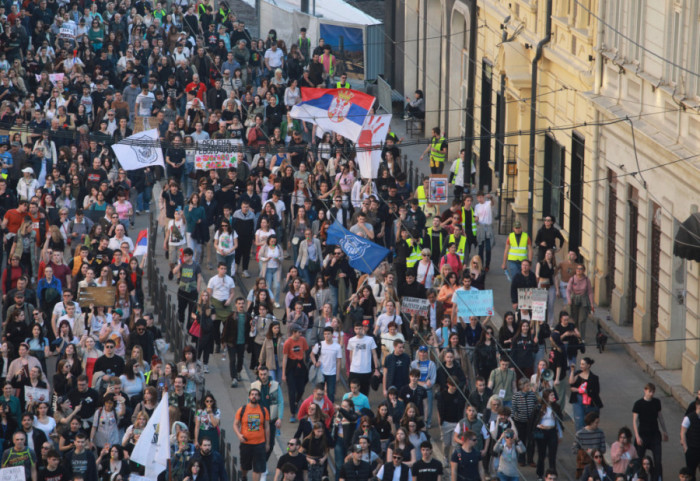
527, 295
437, 189
99, 296
15, 473
414, 305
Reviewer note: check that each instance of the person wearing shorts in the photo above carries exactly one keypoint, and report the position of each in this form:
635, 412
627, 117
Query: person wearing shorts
252, 426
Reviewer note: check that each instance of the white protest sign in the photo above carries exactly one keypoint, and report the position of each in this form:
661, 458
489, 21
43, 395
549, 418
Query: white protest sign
65, 32
12, 474
414, 305
539, 310
36, 394
528, 295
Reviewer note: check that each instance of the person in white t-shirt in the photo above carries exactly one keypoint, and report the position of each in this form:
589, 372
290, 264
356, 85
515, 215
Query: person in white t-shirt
328, 360
484, 227
382, 325
361, 352
273, 57
144, 103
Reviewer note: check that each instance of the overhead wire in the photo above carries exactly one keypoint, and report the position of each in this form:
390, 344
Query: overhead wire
635, 43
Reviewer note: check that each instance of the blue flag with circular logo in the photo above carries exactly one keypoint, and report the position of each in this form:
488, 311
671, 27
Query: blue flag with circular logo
363, 255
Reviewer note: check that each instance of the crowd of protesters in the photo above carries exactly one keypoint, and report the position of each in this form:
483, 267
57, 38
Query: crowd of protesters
80, 381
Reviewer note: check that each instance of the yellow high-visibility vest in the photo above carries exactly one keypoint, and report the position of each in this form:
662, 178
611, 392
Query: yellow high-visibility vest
517, 251
422, 197
464, 220
461, 245
430, 236
435, 154
415, 255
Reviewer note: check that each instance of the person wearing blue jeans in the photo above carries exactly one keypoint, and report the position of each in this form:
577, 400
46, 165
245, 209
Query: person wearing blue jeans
585, 392
271, 260
428, 373
327, 355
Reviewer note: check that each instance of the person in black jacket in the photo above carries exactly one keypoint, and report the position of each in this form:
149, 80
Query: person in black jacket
386, 472
211, 461
142, 336
356, 469
523, 279
547, 236
244, 226
35, 437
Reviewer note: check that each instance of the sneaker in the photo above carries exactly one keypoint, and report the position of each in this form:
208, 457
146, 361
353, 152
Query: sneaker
234, 382
246, 274
277, 306
406, 117
218, 349
206, 369
292, 420
138, 212
210, 267
170, 275
148, 211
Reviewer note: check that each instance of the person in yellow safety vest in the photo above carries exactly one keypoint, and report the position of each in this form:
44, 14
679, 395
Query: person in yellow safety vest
415, 254
469, 221
518, 248
159, 12
457, 175
304, 44
435, 240
422, 193
343, 84
460, 241
438, 152
327, 59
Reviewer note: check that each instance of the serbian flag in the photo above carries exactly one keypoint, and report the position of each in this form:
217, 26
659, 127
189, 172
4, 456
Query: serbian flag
141, 247
342, 111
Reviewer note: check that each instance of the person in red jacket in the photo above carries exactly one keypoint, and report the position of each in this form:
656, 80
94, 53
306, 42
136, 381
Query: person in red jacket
319, 397
11, 275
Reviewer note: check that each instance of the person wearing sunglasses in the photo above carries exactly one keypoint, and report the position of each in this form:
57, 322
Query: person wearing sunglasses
293, 457
598, 469
387, 471
355, 469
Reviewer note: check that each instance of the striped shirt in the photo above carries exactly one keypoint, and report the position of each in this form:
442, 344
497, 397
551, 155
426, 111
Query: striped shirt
589, 439
524, 406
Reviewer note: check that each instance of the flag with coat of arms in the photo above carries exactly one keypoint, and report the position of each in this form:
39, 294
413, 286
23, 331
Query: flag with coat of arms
342, 111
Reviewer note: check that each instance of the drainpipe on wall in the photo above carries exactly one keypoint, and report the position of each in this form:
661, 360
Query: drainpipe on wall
533, 117
471, 76
598, 81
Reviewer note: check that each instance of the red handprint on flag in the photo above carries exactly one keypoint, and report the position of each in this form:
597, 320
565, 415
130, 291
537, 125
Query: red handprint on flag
371, 137
372, 125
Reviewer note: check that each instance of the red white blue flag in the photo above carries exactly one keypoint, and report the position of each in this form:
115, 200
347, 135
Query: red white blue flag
141, 246
342, 111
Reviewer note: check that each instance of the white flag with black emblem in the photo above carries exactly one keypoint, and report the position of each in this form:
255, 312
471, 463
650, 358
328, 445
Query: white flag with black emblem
139, 151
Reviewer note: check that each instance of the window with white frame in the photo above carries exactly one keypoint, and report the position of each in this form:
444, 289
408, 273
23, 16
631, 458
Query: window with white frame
675, 41
636, 33
614, 13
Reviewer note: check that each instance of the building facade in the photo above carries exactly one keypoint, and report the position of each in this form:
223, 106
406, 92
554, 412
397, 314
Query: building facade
617, 123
